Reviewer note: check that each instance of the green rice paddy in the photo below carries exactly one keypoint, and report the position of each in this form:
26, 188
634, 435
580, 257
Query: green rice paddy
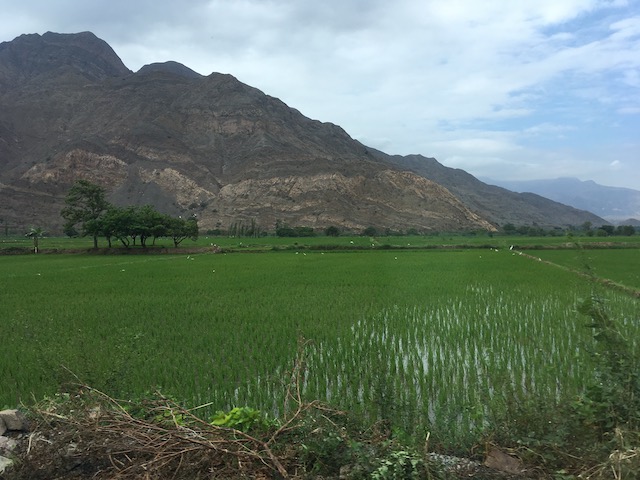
430, 340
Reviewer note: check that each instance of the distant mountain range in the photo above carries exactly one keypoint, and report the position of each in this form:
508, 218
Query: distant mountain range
617, 205
216, 148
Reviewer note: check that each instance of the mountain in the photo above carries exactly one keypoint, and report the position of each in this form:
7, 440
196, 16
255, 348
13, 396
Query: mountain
170, 67
612, 203
497, 204
36, 59
214, 147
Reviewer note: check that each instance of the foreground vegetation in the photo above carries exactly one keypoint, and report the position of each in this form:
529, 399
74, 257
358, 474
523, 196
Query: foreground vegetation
457, 345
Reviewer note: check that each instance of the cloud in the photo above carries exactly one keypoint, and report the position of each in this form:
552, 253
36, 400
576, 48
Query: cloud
628, 110
548, 129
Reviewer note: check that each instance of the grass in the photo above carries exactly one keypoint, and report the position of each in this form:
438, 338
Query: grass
443, 340
345, 242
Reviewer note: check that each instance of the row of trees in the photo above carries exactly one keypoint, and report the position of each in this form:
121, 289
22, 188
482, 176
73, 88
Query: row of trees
586, 228
608, 230
88, 213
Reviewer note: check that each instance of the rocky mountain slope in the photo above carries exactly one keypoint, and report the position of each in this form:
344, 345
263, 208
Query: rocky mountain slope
611, 203
497, 204
214, 147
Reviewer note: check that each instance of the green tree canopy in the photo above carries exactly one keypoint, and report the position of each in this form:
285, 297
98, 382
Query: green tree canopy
332, 231
85, 203
88, 209
179, 229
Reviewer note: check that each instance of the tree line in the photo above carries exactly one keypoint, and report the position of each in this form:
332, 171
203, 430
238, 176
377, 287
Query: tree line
88, 213
586, 228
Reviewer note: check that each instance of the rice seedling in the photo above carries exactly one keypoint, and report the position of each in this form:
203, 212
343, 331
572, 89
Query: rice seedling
620, 264
427, 340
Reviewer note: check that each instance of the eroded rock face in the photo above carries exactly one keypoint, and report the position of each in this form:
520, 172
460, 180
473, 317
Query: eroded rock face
106, 170
398, 200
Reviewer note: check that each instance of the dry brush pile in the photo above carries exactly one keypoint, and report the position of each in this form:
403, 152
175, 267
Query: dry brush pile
88, 434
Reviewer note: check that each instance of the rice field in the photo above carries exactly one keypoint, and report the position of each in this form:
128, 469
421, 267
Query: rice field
436, 340
620, 265
267, 243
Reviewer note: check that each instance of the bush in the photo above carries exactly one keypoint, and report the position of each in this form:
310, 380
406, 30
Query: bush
295, 232
613, 399
599, 432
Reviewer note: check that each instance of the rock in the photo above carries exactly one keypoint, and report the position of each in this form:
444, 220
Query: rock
499, 460
12, 420
7, 444
451, 464
4, 463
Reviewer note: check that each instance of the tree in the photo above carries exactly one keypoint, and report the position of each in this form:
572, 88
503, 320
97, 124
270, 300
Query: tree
609, 229
85, 204
179, 229
35, 233
586, 228
117, 223
509, 229
147, 222
626, 230
332, 231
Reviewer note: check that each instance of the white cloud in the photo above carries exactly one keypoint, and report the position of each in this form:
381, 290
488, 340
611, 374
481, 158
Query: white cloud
548, 129
628, 110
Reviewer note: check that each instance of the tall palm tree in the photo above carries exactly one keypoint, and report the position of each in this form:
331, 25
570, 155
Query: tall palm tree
35, 233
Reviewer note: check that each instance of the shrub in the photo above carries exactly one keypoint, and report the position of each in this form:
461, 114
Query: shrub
612, 400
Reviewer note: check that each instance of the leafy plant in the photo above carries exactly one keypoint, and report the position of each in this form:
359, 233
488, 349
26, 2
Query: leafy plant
240, 418
612, 399
400, 465
35, 233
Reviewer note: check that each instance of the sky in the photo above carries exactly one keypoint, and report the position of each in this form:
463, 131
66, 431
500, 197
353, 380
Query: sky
504, 89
